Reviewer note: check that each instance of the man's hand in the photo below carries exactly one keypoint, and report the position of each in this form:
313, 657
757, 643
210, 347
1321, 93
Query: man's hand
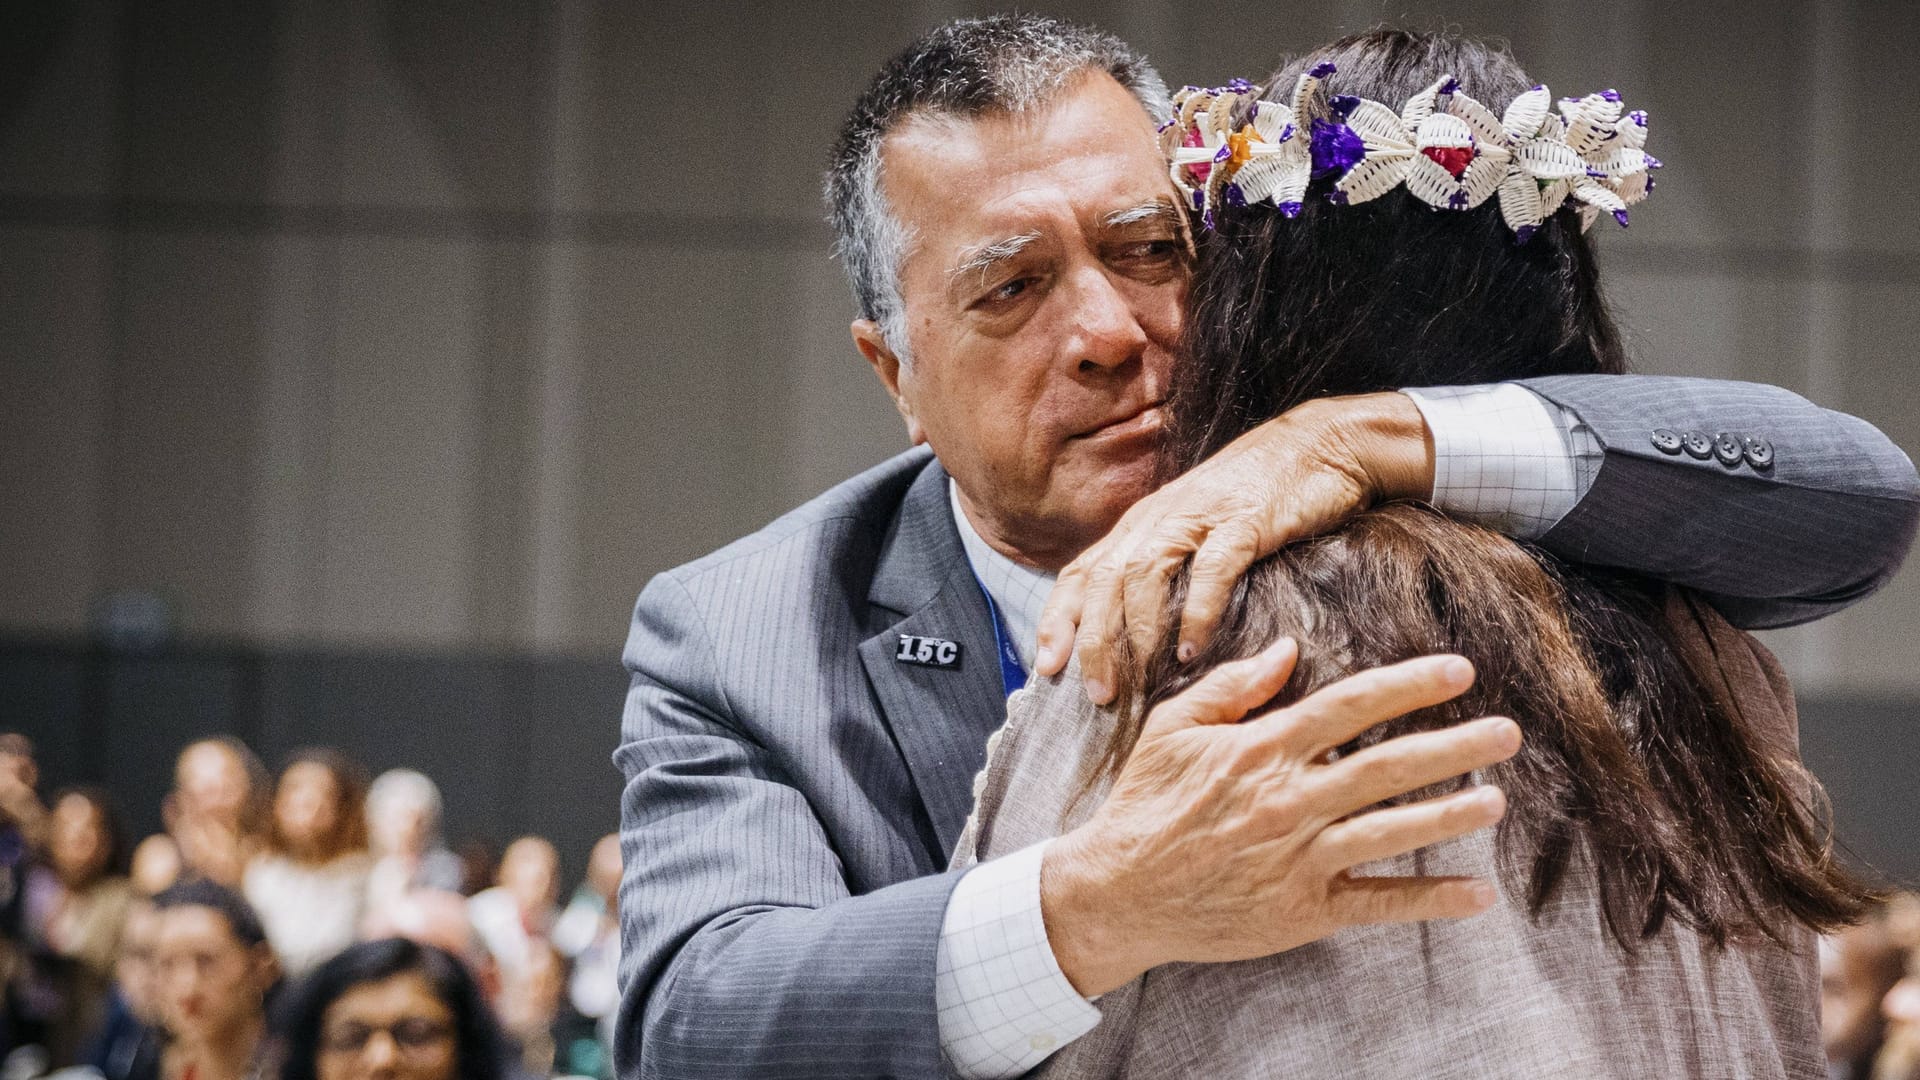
1227, 841
1299, 474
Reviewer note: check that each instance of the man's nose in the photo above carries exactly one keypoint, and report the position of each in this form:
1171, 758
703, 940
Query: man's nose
1104, 331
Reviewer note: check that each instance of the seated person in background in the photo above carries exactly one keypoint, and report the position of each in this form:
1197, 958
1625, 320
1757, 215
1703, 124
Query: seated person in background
433, 917
1662, 866
1899, 1057
310, 886
588, 935
1858, 966
514, 920
516, 915
403, 831
76, 905
215, 971
215, 816
390, 1009
128, 1040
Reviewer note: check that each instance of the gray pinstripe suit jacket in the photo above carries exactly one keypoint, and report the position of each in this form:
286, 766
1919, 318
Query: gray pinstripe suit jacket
792, 791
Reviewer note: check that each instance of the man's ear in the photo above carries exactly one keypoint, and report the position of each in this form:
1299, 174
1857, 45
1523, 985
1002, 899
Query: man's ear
873, 345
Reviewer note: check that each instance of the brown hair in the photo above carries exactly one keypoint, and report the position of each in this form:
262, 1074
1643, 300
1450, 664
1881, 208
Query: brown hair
350, 803
1629, 762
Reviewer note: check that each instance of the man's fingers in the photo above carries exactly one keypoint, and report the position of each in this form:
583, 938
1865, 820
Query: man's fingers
1411, 762
1361, 900
1335, 714
1231, 691
1218, 562
1100, 620
1061, 619
1383, 834
1148, 578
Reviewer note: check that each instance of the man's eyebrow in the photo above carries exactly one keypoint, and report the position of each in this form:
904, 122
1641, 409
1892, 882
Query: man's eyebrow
979, 260
1155, 210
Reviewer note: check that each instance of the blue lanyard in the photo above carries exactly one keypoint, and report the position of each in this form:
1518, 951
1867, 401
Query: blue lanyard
1013, 674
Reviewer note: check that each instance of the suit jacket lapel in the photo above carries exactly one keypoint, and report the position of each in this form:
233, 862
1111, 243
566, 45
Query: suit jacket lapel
940, 717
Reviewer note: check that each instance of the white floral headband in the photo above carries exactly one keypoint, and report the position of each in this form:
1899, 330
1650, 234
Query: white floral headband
1447, 148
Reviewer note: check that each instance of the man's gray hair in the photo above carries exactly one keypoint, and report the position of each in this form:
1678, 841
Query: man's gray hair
964, 68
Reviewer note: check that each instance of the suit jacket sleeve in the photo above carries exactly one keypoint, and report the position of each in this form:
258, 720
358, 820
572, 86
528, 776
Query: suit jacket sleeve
743, 952
1824, 526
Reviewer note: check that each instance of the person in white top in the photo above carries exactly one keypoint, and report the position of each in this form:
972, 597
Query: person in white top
310, 886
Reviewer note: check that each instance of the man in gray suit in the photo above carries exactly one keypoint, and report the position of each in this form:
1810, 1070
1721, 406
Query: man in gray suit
810, 703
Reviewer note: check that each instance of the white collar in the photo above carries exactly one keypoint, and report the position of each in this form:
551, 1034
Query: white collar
1020, 592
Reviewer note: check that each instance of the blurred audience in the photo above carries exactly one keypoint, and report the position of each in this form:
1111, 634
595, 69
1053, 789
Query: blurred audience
400, 962
1857, 968
390, 1009
416, 966
23, 823
514, 921
479, 864
515, 917
215, 817
438, 918
75, 905
216, 971
127, 1042
588, 934
310, 885
403, 826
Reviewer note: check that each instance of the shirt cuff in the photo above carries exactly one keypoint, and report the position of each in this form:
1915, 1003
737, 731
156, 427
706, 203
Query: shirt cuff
1502, 457
1004, 1003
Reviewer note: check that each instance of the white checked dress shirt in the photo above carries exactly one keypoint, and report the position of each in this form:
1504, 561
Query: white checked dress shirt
1502, 457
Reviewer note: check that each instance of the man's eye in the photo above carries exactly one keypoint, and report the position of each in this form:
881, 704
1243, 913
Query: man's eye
1153, 249
1009, 291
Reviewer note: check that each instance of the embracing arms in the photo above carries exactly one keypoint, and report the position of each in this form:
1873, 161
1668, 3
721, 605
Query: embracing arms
1815, 513
1824, 519
747, 953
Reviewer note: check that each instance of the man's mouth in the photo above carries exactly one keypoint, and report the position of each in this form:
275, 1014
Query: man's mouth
1148, 420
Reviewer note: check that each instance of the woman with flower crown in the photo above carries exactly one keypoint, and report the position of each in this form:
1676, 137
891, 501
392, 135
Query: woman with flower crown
1664, 864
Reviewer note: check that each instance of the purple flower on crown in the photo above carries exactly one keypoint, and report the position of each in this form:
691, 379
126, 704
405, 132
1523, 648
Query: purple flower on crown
1335, 148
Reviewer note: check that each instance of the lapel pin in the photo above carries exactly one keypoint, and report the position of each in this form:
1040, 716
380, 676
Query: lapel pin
928, 651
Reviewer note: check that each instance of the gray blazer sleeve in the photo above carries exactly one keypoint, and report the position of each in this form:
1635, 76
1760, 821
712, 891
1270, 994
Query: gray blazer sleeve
1824, 525
742, 952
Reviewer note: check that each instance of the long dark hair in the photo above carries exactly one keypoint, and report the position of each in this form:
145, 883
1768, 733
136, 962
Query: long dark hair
480, 1051
1629, 762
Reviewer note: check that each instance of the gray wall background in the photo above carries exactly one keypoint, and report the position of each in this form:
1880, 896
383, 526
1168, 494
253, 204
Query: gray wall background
400, 342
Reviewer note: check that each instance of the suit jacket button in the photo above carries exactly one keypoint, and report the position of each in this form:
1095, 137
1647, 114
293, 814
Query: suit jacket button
1666, 441
1728, 449
1697, 445
1759, 452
